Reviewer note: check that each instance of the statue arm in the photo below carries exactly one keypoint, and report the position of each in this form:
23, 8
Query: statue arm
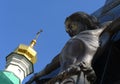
113, 27
50, 67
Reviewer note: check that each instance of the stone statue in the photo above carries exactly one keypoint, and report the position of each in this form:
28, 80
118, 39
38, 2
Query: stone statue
79, 51
74, 62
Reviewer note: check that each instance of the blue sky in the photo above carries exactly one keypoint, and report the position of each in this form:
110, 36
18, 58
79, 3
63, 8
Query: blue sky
20, 20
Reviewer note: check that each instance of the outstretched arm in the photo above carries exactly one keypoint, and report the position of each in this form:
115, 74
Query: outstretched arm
113, 27
50, 67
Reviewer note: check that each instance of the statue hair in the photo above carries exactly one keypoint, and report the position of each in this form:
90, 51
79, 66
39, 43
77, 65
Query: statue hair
84, 18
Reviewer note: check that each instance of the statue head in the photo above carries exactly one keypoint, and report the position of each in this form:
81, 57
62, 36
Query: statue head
80, 21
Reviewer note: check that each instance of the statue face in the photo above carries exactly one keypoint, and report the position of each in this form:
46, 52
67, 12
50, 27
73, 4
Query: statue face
74, 27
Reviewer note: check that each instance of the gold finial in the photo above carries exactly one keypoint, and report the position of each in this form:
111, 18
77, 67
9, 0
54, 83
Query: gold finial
33, 42
28, 51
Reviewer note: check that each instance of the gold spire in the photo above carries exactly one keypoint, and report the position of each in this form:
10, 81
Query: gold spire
28, 51
33, 42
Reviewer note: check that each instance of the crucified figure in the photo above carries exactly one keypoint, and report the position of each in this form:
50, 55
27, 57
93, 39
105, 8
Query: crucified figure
78, 52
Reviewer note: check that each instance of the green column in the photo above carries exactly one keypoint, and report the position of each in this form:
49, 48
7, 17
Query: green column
8, 78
